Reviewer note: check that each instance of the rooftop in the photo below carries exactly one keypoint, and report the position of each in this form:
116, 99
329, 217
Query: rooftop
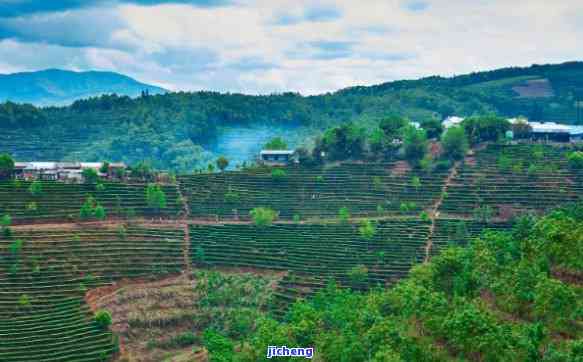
277, 152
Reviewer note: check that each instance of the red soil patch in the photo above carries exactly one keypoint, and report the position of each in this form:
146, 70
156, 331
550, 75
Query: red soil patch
400, 168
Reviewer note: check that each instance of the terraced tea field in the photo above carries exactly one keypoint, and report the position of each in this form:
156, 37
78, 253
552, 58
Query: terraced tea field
513, 179
52, 273
365, 189
323, 250
44, 275
60, 201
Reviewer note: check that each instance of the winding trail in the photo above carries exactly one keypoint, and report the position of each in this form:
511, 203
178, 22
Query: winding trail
434, 213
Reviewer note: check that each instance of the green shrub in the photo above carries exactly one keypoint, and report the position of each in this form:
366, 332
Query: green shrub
6, 220
16, 246
263, 216
220, 348
100, 187
575, 160
343, 214
377, 183
35, 188
90, 176
319, 178
358, 275
31, 207
99, 212
424, 216
24, 301
103, 319
87, 209
297, 218
278, 174
367, 229
155, 197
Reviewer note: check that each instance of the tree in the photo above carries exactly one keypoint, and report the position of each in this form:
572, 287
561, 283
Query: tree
35, 188
90, 176
485, 128
455, 143
367, 229
343, 215
155, 197
6, 166
276, 143
521, 129
104, 168
433, 127
87, 209
103, 319
99, 212
575, 160
392, 126
263, 216
416, 183
222, 163
415, 143
342, 143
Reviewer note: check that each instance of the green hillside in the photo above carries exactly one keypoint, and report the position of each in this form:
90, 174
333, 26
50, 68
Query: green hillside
182, 131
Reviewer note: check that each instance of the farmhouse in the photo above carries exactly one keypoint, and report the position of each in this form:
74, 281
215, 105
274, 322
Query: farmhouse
277, 157
51, 171
556, 132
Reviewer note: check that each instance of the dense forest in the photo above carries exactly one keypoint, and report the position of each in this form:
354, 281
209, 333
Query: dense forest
507, 296
179, 131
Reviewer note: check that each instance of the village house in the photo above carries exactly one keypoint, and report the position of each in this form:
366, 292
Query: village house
63, 171
277, 157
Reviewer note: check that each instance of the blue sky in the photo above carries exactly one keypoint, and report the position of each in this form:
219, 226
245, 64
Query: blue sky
267, 46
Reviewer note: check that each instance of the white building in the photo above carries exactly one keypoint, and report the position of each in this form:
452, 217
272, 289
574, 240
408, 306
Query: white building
277, 157
452, 121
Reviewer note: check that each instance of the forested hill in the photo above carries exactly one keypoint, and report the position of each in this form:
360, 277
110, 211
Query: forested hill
62, 87
180, 131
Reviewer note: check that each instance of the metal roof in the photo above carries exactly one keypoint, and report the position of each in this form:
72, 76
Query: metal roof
277, 152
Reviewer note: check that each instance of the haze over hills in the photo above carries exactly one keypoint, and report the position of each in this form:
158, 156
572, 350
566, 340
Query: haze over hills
63, 87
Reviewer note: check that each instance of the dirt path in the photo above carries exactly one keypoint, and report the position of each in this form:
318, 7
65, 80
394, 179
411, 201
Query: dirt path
186, 226
434, 213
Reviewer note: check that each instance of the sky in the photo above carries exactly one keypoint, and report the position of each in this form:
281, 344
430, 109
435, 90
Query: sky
272, 46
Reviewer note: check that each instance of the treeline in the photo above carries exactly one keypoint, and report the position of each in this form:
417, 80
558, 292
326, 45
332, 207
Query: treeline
508, 296
397, 138
174, 130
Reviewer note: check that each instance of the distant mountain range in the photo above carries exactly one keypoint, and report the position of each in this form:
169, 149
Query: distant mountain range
63, 87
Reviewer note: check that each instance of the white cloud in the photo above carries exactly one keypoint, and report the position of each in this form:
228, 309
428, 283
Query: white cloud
326, 45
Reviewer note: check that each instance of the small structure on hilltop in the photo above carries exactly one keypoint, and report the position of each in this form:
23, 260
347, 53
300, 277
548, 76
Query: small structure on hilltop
278, 157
